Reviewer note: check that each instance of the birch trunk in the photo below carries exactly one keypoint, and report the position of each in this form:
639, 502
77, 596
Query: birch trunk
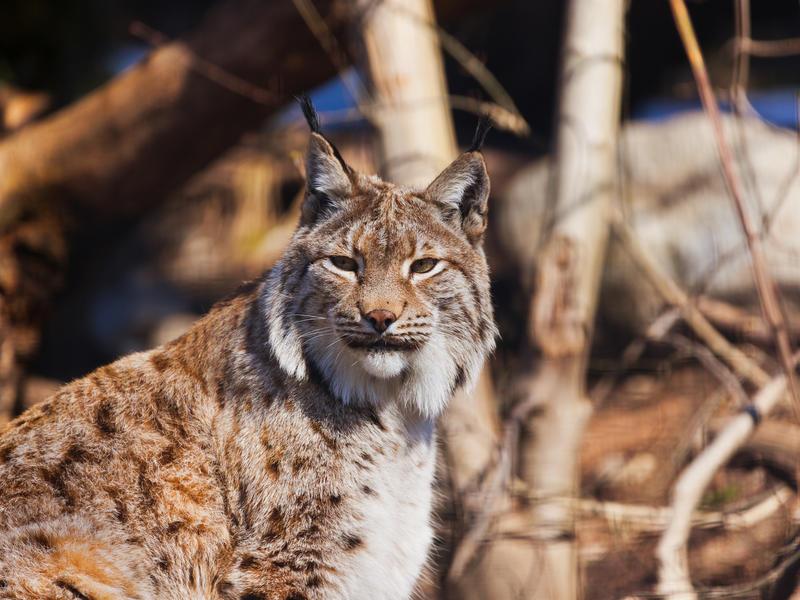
407, 76
568, 276
417, 141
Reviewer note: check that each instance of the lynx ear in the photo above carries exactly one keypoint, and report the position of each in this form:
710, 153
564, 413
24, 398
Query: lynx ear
462, 190
328, 177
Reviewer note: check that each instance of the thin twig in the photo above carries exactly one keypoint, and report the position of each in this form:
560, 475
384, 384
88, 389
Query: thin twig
741, 60
741, 590
503, 112
500, 116
770, 303
494, 490
714, 366
740, 321
472, 65
741, 104
660, 326
744, 590
674, 295
769, 48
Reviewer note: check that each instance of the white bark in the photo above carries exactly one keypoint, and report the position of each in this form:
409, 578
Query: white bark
568, 277
673, 574
407, 73
417, 141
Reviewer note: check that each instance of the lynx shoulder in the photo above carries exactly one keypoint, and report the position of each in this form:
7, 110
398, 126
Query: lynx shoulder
284, 447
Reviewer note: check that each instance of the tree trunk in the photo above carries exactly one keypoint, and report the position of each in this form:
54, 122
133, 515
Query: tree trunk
568, 278
407, 76
417, 141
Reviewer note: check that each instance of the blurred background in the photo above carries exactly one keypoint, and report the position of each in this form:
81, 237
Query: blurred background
151, 160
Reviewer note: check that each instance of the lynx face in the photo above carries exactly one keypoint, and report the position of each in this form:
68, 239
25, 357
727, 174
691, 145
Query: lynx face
384, 291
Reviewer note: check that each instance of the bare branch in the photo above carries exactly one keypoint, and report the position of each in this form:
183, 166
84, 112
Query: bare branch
741, 62
769, 48
655, 519
674, 295
209, 70
470, 63
322, 32
673, 575
656, 331
767, 291
712, 365
742, 322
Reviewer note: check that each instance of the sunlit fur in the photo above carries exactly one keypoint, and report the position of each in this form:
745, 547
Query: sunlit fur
281, 449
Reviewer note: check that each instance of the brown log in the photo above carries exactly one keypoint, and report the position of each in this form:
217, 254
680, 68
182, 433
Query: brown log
131, 141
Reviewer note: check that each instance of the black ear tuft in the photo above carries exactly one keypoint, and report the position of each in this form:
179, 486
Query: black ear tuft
312, 118
484, 125
309, 112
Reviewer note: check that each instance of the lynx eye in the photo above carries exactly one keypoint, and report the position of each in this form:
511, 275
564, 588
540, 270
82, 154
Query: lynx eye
423, 265
345, 263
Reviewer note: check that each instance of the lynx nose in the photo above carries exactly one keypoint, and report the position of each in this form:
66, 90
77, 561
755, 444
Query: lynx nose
380, 319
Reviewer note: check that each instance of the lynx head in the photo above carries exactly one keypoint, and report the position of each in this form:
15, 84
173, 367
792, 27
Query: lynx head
384, 290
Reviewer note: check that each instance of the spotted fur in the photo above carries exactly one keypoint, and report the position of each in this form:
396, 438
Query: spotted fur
283, 449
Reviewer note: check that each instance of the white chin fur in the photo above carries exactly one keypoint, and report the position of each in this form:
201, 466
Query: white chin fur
421, 380
382, 365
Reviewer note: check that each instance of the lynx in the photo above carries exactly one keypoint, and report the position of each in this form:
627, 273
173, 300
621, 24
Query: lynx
283, 448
